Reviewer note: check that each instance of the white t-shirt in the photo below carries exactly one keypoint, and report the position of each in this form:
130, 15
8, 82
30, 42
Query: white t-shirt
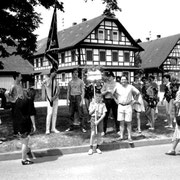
125, 94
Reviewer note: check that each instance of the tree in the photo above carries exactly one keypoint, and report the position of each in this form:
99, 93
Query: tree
18, 21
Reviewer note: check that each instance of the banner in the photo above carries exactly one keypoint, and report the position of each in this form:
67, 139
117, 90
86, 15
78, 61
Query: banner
52, 46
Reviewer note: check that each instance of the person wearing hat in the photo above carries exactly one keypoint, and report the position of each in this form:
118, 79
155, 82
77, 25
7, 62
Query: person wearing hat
107, 91
52, 93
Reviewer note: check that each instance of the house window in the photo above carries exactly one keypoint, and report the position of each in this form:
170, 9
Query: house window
73, 56
102, 55
37, 65
115, 56
101, 34
62, 58
89, 55
63, 77
115, 35
126, 56
41, 62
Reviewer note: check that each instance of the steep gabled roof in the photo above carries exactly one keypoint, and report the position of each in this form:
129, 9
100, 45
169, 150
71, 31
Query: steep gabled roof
72, 36
156, 51
16, 64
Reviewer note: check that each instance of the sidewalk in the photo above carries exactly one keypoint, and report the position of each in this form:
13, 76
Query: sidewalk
60, 151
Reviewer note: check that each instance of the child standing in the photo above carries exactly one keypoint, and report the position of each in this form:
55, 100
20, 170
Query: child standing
97, 110
176, 135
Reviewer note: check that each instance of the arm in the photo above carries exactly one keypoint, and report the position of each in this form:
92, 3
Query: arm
33, 122
83, 92
68, 93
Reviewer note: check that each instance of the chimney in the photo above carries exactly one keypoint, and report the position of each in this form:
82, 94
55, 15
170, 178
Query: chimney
158, 36
84, 19
74, 23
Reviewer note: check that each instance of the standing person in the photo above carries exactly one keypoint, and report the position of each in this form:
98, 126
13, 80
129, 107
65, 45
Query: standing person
154, 85
24, 119
88, 94
124, 94
15, 92
151, 99
52, 93
138, 107
75, 97
97, 110
107, 91
176, 135
169, 96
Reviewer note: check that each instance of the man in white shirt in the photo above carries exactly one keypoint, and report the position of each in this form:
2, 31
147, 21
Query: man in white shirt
125, 95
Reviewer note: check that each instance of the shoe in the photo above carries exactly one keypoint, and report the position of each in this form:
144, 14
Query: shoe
47, 132
98, 151
55, 131
83, 130
173, 153
168, 126
130, 141
165, 120
27, 162
148, 124
119, 133
69, 129
90, 152
151, 128
1, 142
139, 131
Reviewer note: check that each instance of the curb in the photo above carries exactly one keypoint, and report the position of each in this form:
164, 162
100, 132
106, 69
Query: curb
82, 149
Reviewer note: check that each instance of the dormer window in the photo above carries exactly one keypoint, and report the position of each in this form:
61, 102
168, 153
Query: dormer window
115, 35
101, 34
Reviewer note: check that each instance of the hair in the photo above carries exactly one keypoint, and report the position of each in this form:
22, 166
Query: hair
167, 76
143, 78
110, 73
52, 70
75, 69
15, 75
151, 77
124, 76
31, 92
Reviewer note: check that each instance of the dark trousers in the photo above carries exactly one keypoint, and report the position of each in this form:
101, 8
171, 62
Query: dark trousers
111, 105
75, 107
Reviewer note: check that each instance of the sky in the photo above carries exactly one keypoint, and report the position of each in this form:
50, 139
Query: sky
141, 18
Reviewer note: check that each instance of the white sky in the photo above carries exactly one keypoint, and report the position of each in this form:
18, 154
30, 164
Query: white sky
141, 18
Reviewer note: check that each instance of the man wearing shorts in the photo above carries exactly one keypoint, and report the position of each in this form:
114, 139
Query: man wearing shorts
125, 95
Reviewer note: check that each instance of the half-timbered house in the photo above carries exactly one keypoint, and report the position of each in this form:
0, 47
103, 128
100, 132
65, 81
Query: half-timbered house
102, 41
161, 56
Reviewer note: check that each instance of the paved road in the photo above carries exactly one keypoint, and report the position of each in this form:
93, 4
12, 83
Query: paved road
146, 163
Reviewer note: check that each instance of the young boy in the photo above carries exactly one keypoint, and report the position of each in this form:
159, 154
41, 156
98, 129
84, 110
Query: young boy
97, 110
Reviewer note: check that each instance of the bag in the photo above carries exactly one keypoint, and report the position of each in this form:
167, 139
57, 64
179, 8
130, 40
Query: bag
178, 120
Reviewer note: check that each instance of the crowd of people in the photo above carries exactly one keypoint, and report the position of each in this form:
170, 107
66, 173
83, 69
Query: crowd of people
110, 96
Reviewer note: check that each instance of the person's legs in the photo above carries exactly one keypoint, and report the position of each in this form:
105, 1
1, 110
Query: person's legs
80, 113
72, 109
24, 142
90, 152
48, 117
152, 118
138, 122
128, 120
108, 107
121, 129
54, 116
114, 111
171, 113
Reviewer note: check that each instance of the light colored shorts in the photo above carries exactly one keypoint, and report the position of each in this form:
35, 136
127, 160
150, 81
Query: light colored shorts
170, 107
124, 113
